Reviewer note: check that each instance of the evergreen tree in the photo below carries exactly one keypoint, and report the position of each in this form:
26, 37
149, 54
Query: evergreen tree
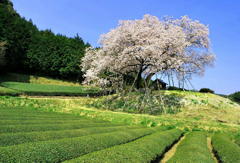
17, 32
41, 52
56, 55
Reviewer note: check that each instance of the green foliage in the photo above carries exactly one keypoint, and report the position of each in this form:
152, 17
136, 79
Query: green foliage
7, 91
225, 149
64, 149
193, 148
206, 90
192, 119
235, 97
146, 149
43, 89
22, 137
24, 78
41, 52
56, 55
17, 32
2, 55
237, 139
11, 115
47, 127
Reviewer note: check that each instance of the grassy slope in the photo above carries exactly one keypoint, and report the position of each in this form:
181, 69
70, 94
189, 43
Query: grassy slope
77, 106
12, 84
44, 88
198, 110
8, 91
35, 79
192, 105
208, 107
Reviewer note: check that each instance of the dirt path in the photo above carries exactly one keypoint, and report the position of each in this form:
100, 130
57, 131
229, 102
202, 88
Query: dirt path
211, 149
172, 151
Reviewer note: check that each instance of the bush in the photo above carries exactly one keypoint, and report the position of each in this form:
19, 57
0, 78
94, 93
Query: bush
174, 88
68, 148
47, 127
206, 90
235, 97
41, 121
20, 138
146, 149
8, 92
51, 90
193, 149
225, 149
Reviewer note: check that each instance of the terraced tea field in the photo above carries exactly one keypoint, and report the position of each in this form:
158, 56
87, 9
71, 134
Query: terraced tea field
45, 89
34, 136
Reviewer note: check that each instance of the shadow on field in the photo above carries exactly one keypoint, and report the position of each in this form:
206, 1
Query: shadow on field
12, 77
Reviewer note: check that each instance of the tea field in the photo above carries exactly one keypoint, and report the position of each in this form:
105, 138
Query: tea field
28, 135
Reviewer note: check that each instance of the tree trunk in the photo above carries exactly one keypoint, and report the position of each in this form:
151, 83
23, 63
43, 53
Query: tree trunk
139, 78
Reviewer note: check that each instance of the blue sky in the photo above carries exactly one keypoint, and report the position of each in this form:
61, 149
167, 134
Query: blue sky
91, 18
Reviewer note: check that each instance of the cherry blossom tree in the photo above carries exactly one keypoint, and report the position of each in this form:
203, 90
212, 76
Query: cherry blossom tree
149, 46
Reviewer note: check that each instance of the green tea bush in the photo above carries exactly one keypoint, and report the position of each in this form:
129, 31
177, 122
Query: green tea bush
23, 137
43, 121
51, 90
146, 149
68, 148
193, 149
237, 139
30, 115
47, 127
225, 149
8, 92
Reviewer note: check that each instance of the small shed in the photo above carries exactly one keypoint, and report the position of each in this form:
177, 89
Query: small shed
159, 84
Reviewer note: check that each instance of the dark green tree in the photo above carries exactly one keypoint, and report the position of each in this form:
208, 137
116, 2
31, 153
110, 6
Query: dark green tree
56, 55
39, 52
17, 32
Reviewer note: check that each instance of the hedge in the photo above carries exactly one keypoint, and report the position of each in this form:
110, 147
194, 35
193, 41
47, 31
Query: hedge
237, 139
37, 117
53, 90
45, 121
12, 113
47, 127
68, 148
206, 90
146, 149
20, 138
225, 149
8, 92
193, 148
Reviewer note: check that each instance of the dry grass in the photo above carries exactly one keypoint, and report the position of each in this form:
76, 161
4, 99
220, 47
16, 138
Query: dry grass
172, 151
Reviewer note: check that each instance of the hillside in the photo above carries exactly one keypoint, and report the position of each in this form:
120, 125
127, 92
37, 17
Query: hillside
178, 104
19, 84
34, 79
108, 128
